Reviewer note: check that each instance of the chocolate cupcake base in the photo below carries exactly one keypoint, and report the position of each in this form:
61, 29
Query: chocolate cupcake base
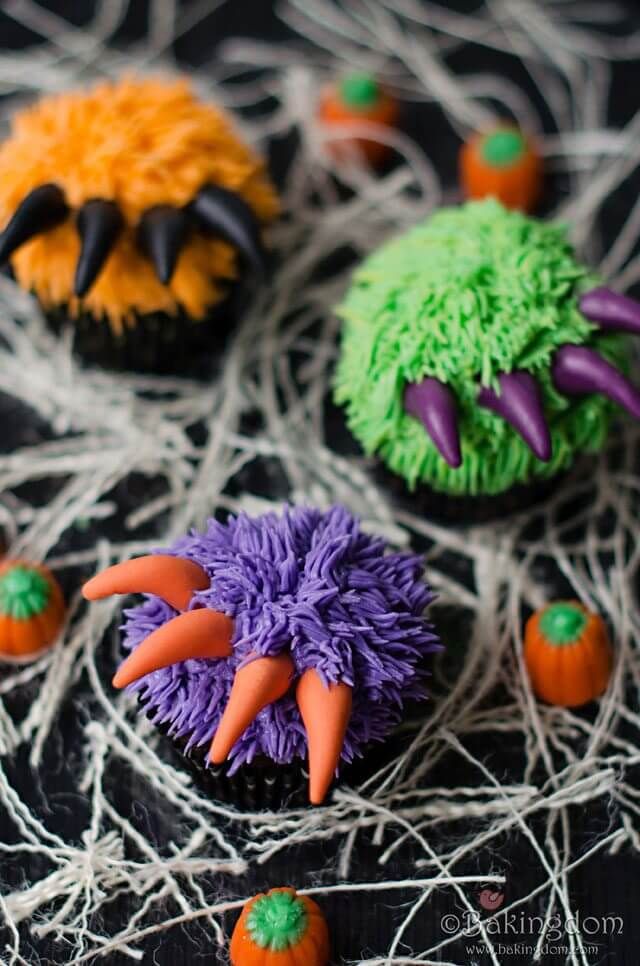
156, 343
471, 510
265, 785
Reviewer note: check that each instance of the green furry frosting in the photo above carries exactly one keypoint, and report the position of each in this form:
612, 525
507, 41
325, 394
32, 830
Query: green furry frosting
472, 292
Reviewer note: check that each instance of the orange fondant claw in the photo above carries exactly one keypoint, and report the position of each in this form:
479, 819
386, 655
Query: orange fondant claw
255, 686
172, 578
197, 633
325, 712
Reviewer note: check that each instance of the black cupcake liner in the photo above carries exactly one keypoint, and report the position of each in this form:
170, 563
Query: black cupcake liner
452, 509
260, 785
265, 785
156, 343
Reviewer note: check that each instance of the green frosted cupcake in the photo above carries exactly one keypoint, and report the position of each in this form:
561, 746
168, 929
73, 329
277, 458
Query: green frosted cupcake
477, 355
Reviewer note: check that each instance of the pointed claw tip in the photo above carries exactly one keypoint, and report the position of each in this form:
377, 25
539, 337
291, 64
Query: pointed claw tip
520, 404
434, 405
81, 283
125, 675
319, 786
99, 224
257, 684
162, 235
580, 370
543, 454
200, 634
325, 711
219, 749
174, 579
540, 444
165, 273
610, 310
118, 680
216, 755
40, 210
227, 215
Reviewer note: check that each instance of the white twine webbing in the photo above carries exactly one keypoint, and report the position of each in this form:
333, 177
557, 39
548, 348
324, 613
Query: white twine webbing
103, 428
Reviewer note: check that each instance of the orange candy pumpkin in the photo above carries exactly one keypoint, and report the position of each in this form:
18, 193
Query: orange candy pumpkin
32, 609
504, 164
359, 97
567, 653
280, 928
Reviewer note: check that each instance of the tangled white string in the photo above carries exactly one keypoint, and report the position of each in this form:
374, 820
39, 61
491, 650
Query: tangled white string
105, 428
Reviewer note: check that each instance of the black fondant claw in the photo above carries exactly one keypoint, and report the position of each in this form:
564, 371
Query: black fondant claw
162, 233
225, 214
520, 404
99, 224
577, 370
42, 209
434, 405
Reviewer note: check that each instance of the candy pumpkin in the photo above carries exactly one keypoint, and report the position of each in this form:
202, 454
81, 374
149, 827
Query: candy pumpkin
567, 653
280, 928
31, 609
504, 164
359, 97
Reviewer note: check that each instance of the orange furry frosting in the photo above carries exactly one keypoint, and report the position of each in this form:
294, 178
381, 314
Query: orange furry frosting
139, 143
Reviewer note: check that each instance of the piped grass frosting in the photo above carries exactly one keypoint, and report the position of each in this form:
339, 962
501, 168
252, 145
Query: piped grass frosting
471, 294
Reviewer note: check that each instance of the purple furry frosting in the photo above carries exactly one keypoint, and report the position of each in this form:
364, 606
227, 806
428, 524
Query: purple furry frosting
309, 583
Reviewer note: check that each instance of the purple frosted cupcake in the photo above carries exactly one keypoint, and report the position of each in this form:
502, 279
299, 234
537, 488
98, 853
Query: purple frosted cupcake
269, 642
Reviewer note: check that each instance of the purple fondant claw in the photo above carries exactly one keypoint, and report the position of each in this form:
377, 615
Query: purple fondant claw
610, 310
520, 404
434, 405
577, 370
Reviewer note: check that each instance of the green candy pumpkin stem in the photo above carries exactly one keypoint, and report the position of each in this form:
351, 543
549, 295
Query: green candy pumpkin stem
502, 148
359, 91
563, 623
24, 593
277, 921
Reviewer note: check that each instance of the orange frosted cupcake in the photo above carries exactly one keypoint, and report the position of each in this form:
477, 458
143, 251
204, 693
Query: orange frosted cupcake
131, 211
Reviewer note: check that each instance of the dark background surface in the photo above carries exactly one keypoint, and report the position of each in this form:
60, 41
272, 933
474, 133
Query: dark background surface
360, 924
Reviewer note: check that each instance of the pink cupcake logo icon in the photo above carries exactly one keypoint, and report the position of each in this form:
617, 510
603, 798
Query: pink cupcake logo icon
491, 899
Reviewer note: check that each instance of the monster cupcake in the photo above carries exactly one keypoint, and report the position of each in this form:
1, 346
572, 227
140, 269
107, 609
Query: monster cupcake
273, 644
480, 358
133, 211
